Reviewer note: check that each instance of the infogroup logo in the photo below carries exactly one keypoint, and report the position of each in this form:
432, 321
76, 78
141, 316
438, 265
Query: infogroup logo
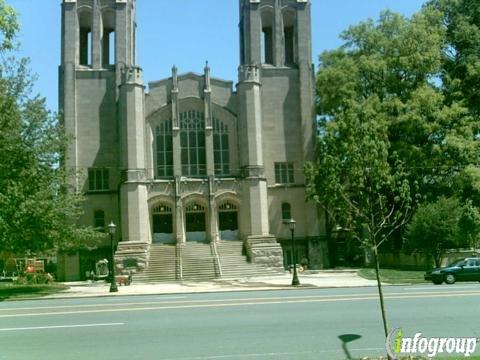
397, 344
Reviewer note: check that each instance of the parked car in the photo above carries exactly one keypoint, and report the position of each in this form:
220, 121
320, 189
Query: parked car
467, 269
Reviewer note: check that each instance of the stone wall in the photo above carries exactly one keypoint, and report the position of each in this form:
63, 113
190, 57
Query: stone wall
265, 251
131, 257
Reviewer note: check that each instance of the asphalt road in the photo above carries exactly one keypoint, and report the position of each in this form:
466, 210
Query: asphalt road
296, 324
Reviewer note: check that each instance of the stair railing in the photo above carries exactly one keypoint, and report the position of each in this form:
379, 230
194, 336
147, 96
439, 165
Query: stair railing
178, 256
216, 259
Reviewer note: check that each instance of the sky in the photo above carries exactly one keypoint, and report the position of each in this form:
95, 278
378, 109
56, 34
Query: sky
186, 33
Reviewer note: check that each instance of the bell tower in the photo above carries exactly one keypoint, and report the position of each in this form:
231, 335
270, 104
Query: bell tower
277, 113
275, 32
97, 45
101, 104
98, 34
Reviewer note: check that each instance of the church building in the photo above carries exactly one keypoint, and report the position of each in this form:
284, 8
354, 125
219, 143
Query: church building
198, 173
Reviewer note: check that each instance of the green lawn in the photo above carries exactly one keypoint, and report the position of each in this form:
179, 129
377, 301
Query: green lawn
394, 276
9, 291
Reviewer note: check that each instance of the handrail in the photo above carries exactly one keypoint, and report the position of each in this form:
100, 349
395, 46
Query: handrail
218, 266
179, 270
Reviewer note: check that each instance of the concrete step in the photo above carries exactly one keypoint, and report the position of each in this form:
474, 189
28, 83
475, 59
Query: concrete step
162, 264
197, 262
235, 265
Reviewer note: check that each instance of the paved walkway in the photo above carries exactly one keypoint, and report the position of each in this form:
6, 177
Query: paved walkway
319, 279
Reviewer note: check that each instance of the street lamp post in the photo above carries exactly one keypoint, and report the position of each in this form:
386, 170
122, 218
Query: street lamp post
291, 225
111, 230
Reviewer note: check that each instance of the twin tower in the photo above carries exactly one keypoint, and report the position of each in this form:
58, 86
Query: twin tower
194, 158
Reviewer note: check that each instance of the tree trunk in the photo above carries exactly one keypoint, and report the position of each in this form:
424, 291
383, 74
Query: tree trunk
380, 293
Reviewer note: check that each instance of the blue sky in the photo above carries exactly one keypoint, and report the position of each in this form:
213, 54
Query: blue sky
185, 33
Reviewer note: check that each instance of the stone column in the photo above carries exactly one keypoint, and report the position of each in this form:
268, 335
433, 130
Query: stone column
177, 160
262, 248
67, 75
251, 139
207, 95
97, 31
278, 36
307, 83
134, 207
252, 26
135, 214
213, 211
179, 218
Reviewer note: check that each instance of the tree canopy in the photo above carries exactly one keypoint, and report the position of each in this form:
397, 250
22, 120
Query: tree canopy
38, 209
392, 117
435, 227
398, 125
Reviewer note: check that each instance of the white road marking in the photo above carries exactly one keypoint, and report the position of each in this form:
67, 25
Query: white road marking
332, 297
178, 304
170, 297
269, 354
155, 298
440, 287
60, 327
248, 302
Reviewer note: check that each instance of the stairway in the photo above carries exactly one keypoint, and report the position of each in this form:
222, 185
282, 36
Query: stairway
198, 263
234, 265
161, 266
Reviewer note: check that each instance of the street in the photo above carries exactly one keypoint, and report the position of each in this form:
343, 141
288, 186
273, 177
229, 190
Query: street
289, 324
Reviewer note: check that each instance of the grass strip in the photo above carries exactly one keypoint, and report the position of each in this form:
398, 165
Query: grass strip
9, 291
390, 276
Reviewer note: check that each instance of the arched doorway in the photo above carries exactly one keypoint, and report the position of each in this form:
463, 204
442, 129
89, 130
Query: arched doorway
195, 223
228, 221
162, 224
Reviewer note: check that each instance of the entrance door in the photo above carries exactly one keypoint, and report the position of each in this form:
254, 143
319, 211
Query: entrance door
162, 224
195, 223
228, 222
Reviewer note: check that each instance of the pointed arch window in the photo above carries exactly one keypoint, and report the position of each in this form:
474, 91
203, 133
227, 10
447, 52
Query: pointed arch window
289, 20
221, 154
267, 37
192, 143
108, 38
164, 149
85, 38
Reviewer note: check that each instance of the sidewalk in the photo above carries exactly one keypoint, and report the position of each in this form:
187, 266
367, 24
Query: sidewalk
317, 279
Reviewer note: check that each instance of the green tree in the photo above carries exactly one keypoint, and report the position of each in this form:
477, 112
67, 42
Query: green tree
469, 226
367, 91
461, 60
401, 61
435, 228
354, 181
38, 210
391, 130
460, 84
8, 26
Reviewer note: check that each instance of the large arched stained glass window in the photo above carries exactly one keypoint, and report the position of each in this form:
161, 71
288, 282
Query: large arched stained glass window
192, 143
221, 154
164, 149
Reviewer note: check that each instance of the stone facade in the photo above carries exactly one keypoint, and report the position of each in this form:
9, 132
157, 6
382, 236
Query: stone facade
191, 159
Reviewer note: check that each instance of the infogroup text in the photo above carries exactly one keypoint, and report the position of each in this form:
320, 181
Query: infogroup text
398, 344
